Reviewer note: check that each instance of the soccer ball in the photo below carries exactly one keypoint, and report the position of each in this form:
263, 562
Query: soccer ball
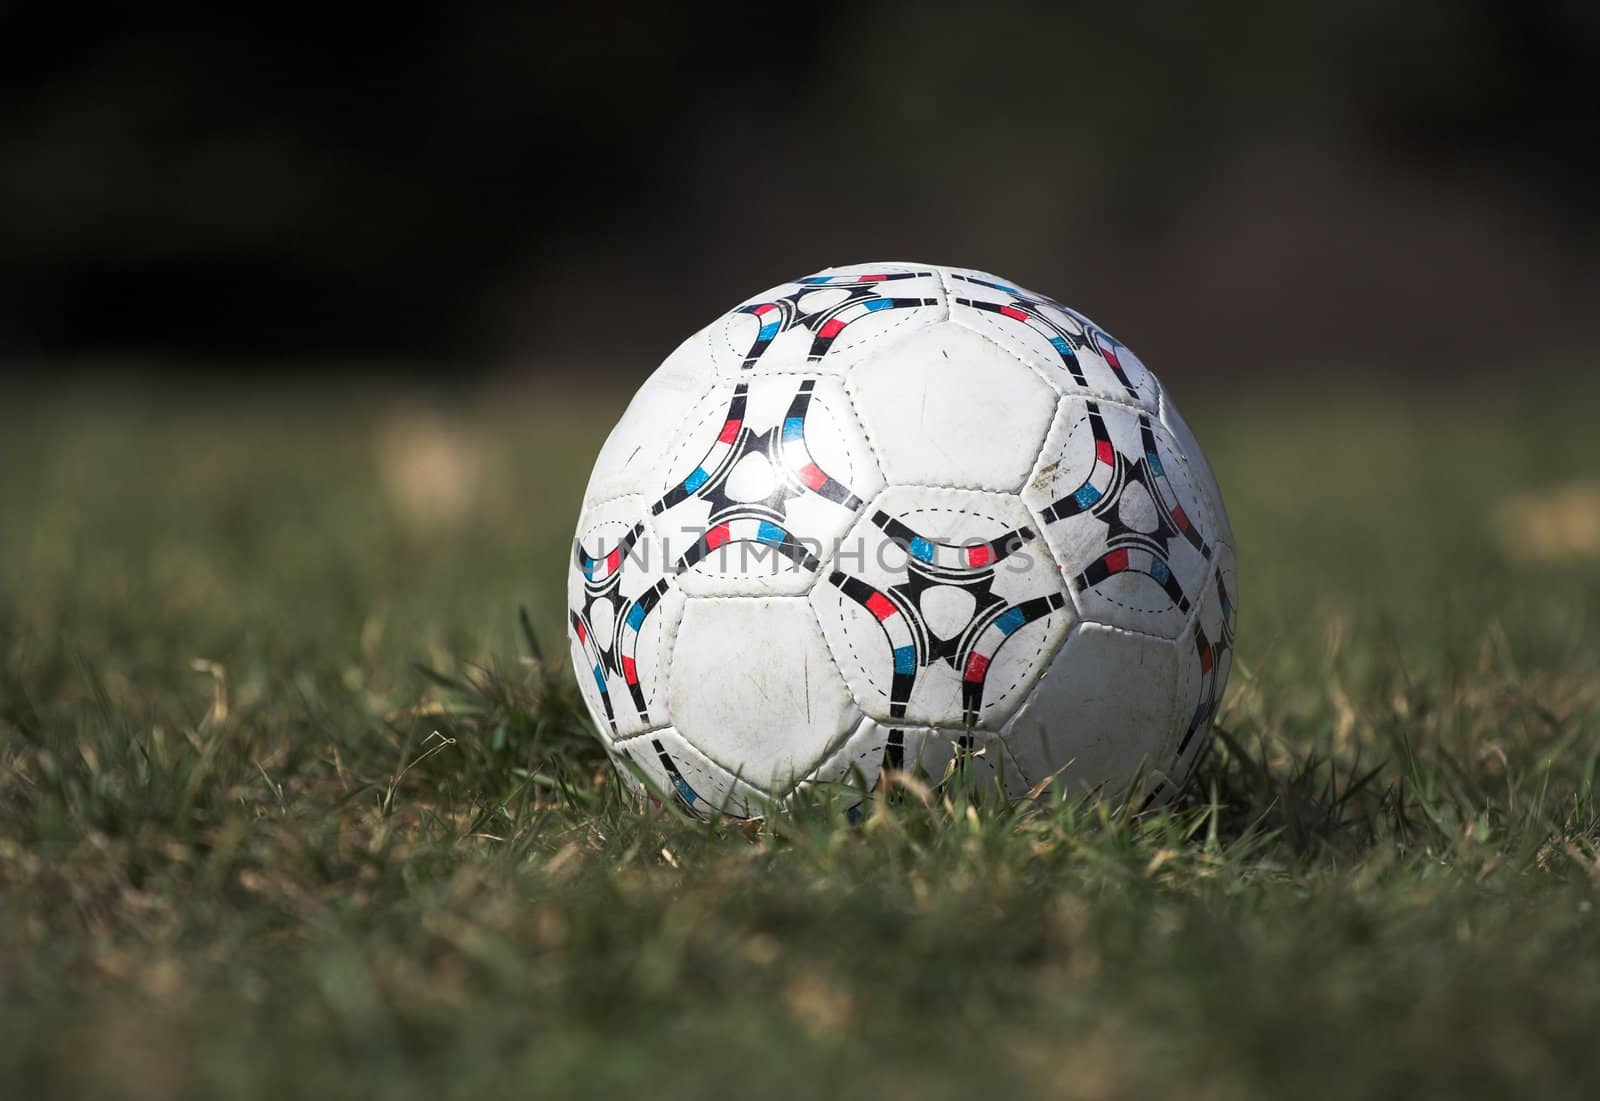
901, 517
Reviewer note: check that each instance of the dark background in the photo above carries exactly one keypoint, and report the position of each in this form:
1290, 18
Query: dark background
1229, 186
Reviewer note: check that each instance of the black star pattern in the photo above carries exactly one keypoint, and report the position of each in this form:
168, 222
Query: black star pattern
602, 584
1101, 496
862, 298
764, 521
915, 645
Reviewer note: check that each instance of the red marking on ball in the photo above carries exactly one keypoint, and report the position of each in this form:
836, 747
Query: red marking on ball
879, 605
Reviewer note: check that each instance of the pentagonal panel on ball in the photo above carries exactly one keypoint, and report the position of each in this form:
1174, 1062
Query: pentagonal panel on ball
754, 689
633, 452
942, 607
822, 323
622, 610
1121, 514
1102, 713
948, 407
1076, 355
766, 475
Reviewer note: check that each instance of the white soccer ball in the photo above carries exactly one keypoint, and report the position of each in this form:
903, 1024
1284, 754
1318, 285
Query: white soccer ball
897, 516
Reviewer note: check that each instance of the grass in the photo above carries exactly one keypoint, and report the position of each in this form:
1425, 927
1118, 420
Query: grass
290, 806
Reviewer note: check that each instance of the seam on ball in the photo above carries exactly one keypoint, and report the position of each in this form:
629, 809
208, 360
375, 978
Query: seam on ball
590, 505
1171, 640
1046, 371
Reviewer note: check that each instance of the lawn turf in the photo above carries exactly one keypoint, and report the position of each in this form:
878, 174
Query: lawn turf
290, 805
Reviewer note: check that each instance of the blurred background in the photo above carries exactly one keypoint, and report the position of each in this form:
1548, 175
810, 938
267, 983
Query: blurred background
1232, 187
329, 311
